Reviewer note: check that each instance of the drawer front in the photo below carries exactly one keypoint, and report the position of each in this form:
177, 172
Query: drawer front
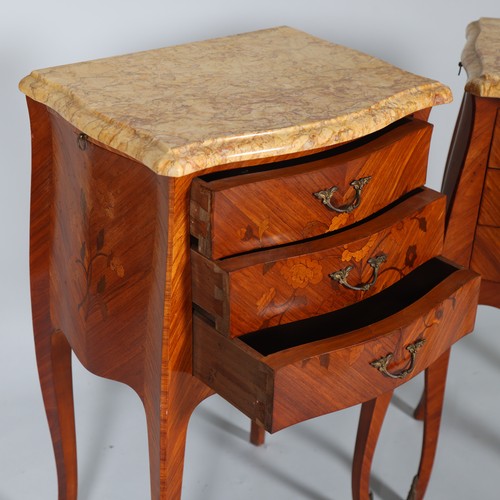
268, 208
270, 287
489, 214
311, 379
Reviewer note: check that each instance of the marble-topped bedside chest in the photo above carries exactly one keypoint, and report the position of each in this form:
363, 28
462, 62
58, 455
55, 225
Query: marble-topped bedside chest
472, 175
243, 215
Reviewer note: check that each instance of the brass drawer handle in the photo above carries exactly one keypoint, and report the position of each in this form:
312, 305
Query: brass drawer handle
326, 195
342, 275
381, 364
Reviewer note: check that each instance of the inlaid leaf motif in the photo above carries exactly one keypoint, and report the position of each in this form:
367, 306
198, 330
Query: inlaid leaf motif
89, 255
117, 267
324, 360
83, 251
338, 221
246, 234
313, 228
101, 284
83, 204
411, 256
263, 226
265, 300
422, 223
100, 240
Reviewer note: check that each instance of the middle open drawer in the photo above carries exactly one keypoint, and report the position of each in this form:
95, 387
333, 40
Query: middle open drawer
269, 287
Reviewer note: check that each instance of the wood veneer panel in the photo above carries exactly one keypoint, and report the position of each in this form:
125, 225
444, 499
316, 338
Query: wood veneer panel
489, 214
486, 253
110, 276
282, 285
371, 419
464, 174
107, 264
52, 350
277, 206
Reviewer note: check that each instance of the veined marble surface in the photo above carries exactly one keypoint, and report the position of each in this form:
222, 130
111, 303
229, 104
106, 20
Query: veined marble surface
187, 108
481, 57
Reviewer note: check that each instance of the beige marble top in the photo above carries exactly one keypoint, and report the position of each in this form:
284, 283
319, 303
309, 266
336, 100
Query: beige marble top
183, 109
481, 57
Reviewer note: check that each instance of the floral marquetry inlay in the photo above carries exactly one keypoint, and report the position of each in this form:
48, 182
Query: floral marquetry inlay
293, 283
91, 254
299, 273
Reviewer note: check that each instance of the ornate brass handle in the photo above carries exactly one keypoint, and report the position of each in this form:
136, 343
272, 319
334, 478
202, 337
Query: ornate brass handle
381, 364
326, 195
342, 275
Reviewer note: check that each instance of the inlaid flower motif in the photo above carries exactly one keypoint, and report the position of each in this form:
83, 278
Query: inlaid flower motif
117, 267
90, 253
357, 255
301, 272
411, 256
338, 221
265, 300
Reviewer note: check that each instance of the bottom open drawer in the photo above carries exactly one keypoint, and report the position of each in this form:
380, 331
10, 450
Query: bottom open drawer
285, 374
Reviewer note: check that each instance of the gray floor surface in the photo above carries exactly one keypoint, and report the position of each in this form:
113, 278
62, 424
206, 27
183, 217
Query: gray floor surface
311, 460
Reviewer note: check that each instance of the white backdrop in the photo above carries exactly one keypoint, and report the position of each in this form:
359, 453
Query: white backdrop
424, 37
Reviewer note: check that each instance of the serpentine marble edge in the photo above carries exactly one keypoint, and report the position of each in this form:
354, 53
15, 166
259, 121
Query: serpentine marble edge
481, 57
187, 108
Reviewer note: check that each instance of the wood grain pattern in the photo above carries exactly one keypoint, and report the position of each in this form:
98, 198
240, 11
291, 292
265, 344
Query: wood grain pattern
464, 174
257, 434
292, 385
472, 236
111, 281
52, 350
494, 159
432, 408
110, 269
181, 392
274, 207
489, 214
486, 253
371, 419
277, 286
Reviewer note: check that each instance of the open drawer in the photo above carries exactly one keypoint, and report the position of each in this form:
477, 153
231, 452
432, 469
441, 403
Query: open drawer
285, 374
286, 201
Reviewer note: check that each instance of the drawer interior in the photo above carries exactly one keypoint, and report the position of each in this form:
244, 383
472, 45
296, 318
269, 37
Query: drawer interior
359, 315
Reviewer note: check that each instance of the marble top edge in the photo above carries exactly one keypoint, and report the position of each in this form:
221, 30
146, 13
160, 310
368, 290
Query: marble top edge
159, 116
307, 137
481, 57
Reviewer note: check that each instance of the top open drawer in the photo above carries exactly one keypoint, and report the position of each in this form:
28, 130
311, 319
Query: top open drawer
282, 202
